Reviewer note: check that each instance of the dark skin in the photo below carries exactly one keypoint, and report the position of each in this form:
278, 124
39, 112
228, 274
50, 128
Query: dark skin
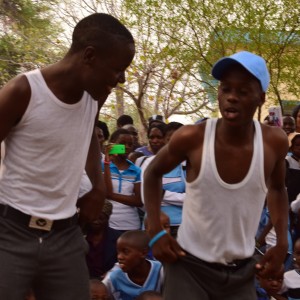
85, 70
239, 95
122, 164
134, 259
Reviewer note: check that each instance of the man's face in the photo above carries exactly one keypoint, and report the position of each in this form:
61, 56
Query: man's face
239, 95
106, 71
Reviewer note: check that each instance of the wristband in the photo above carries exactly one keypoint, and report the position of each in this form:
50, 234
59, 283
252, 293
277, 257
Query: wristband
106, 162
156, 238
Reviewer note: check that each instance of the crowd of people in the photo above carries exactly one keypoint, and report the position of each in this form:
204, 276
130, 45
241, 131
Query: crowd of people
205, 211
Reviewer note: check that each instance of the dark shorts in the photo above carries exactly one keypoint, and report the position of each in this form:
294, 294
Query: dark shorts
191, 278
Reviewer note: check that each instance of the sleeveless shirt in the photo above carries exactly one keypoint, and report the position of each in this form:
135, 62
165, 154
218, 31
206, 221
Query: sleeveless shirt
220, 220
46, 153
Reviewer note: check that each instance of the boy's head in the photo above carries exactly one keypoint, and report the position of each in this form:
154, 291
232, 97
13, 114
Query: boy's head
102, 49
98, 290
149, 295
124, 120
296, 253
272, 285
101, 31
288, 124
132, 249
164, 222
295, 145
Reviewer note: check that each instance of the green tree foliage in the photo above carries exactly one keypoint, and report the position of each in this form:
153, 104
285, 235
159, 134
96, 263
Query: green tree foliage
198, 32
28, 36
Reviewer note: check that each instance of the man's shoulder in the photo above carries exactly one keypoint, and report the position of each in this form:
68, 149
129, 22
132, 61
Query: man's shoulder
273, 134
187, 138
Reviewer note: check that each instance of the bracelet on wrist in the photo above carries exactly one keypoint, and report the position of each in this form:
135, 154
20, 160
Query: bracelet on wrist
157, 237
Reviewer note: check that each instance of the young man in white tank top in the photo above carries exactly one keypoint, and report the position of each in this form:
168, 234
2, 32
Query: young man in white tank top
47, 124
233, 163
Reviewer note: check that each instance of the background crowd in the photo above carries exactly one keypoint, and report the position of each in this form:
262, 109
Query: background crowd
123, 218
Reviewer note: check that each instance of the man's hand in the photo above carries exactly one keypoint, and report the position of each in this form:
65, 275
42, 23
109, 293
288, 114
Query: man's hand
271, 263
90, 206
167, 250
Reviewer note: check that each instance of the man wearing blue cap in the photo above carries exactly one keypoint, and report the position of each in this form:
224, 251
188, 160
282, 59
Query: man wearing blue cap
233, 164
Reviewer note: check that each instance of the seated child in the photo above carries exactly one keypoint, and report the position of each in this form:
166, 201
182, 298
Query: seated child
149, 295
134, 273
273, 286
102, 254
287, 286
292, 278
98, 290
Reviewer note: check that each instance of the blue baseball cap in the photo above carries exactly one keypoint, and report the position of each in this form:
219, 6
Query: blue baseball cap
253, 63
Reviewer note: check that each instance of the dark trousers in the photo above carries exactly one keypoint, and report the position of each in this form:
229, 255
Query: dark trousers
51, 263
191, 278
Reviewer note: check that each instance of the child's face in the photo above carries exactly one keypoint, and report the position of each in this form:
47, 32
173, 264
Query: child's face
288, 125
271, 285
296, 253
129, 256
296, 147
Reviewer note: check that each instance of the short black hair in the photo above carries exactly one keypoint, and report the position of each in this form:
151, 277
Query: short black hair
99, 30
124, 120
103, 126
294, 139
115, 135
160, 126
136, 238
172, 126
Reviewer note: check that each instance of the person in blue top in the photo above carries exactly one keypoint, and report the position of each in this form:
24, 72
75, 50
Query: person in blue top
134, 274
122, 179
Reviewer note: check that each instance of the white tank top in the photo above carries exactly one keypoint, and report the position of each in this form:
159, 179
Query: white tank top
220, 220
45, 154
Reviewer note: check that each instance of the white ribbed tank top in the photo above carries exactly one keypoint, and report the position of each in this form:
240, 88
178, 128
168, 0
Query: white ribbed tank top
220, 220
45, 154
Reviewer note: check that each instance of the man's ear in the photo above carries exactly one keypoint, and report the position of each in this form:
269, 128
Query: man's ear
89, 55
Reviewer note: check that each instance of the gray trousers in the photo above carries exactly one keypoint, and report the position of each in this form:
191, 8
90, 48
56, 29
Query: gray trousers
193, 279
51, 263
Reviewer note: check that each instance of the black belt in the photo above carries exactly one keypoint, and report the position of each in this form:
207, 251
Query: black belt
234, 265
21, 218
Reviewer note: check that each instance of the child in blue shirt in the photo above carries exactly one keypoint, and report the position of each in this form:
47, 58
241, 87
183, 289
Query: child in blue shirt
134, 273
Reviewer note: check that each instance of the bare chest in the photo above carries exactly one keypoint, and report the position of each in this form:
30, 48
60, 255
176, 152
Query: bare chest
232, 162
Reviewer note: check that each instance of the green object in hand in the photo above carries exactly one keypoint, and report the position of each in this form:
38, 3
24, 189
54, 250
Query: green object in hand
117, 149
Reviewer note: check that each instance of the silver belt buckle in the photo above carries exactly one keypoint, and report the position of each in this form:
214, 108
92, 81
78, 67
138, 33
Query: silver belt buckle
40, 223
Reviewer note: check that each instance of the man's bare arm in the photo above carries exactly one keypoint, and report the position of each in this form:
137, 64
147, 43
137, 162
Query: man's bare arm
14, 99
277, 202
